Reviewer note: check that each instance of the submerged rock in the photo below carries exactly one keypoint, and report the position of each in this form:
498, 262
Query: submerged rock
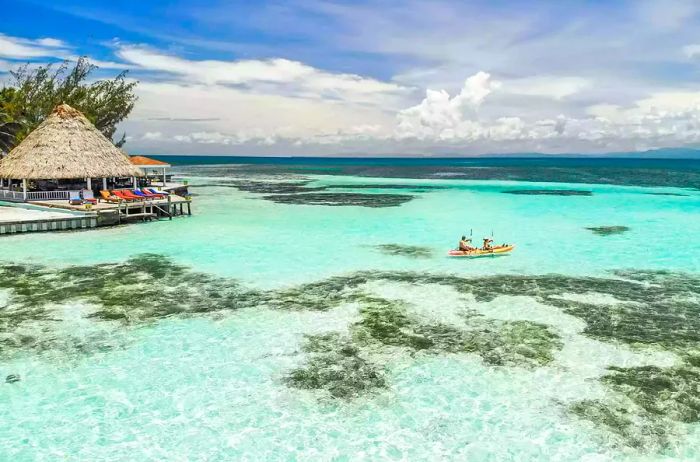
608, 230
386, 186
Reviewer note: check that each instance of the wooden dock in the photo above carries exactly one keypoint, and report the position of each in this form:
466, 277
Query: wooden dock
19, 220
59, 215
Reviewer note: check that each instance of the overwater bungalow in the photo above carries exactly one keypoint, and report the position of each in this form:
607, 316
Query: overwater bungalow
65, 154
67, 163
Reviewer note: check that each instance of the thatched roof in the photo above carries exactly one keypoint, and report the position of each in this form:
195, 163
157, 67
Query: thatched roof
66, 145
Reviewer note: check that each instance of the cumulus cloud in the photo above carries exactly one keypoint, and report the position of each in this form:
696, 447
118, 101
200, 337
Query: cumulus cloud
20, 48
663, 119
692, 51
442, 117
272, 75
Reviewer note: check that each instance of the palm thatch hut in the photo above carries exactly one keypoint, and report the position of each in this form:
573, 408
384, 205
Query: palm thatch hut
66, 146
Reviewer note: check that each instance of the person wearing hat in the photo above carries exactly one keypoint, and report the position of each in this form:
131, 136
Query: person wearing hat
465, 245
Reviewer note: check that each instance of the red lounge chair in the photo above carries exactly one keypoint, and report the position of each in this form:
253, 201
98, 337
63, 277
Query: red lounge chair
122, 195
131, 195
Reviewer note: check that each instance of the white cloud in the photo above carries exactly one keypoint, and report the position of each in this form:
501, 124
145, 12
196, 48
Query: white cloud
19, 48
692, 51
442, 117
52, 43
662, 119
152, 136
547, 86
278, 75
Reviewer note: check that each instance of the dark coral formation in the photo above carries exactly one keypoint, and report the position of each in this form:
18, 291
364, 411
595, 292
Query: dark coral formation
300, 192
667, 194
519, 343
342, 199
659, 398
336, 366
650, 309
548, 192
673, 392
608, 230
625, 425
402, 250
385, 186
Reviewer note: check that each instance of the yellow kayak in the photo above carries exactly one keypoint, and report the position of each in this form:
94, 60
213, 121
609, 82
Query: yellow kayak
495, 250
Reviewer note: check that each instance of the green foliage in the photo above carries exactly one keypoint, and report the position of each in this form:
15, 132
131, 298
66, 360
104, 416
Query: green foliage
8, 131
35, 92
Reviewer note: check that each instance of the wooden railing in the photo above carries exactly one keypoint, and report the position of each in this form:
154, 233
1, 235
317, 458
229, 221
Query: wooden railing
48, 195
13, 196
18, 196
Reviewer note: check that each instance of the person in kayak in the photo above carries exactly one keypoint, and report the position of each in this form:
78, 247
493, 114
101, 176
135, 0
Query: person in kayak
465, 245
487, 244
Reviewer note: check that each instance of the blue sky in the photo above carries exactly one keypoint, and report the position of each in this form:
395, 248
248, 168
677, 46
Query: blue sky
383, 77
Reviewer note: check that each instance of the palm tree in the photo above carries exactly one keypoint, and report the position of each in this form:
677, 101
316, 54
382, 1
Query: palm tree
8, 133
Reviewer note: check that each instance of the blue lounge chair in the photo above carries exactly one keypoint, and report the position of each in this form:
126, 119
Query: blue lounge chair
137, 192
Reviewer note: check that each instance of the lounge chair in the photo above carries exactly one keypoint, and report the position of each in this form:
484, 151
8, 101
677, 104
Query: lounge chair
122, 195
74, 198
107, 197
138, 192
130, 194
155, 191
88, 196
148, 193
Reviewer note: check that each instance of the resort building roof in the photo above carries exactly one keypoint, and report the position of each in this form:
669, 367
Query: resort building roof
66, 145
144, 161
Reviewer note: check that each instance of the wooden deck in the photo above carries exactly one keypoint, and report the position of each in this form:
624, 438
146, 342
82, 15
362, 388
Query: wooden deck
22, 220
58, 215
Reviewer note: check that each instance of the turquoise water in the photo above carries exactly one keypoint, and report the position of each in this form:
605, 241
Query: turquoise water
215, 385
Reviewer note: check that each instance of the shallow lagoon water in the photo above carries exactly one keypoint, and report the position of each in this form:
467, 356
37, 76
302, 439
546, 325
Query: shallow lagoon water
213, 387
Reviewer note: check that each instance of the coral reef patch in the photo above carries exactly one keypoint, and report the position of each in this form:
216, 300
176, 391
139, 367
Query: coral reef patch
342, 199
608, 230
336, 366
641, 309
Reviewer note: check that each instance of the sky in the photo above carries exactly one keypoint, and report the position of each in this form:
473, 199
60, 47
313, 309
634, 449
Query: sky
369, 77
